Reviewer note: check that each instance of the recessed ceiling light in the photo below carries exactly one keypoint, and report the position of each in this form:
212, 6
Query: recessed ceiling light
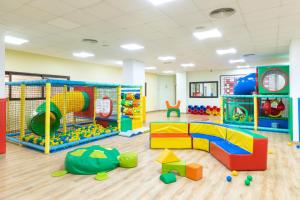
159, 2
119, 62
88, 40
202, 35
237, 61
83, 54
14, 40
132, 47
243, 66
150, 68
166, 58
222, 13
168, 72
226, 51
186, 65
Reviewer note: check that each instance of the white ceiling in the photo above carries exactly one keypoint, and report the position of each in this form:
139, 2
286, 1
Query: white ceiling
56, 28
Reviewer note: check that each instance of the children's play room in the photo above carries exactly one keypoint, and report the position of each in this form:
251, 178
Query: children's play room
149, 99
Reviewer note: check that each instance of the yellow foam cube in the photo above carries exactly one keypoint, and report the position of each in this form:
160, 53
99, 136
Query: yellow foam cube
201, 144
169, 127
171, 143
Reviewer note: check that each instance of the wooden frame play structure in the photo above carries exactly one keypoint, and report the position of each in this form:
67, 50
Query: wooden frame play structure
51, 115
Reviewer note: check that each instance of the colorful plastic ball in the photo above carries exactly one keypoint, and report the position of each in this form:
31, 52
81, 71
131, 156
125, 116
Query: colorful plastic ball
298, 146
228, 178
234, 173
247, 182
250, 178
290, 144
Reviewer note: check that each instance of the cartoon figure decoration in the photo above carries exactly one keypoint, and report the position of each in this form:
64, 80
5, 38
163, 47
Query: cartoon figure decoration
273, 108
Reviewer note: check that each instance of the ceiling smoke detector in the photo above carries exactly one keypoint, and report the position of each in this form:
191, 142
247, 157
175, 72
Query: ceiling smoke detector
91, 41
249, 55
222, 13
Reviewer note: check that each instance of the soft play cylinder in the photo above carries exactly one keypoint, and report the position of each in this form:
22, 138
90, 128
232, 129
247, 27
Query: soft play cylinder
245, 85
75, 101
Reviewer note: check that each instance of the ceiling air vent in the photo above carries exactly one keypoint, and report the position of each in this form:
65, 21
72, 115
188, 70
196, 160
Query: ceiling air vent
222, 13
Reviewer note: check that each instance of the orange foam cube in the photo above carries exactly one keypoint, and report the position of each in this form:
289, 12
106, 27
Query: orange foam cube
194, 171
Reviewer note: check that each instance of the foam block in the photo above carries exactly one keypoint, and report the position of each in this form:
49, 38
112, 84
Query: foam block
208, 129
167, 156
178, 167
168, 178
172, 127
201, 144
171, 143
240, 139
194, 171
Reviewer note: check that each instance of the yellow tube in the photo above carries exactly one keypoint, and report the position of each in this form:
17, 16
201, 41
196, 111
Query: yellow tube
47, 118
75, 101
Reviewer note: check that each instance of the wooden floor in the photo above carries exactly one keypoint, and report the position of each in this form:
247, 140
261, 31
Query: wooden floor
25, 174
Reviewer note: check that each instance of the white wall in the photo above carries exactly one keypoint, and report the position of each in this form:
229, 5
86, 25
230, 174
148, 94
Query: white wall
181, 88
210, 76
166, 90
33, 63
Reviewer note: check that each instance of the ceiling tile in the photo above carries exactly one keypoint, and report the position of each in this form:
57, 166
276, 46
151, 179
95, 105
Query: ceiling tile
104, 11
55, 7
63, 23
81, 3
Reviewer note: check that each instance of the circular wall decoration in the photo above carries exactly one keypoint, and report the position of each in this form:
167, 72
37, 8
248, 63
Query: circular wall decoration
274, 80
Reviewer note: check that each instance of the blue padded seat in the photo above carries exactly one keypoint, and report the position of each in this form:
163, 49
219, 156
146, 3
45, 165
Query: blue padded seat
230, 148
208, 137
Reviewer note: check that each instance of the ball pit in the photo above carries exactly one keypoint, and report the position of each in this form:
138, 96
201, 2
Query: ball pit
87, 131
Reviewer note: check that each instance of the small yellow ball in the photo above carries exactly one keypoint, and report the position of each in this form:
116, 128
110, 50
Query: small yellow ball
290, 144
234, 173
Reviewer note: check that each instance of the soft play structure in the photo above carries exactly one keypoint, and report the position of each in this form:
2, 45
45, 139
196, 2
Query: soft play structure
237, 149
96, 160
261, 103
51, 115
175, 108
204, 110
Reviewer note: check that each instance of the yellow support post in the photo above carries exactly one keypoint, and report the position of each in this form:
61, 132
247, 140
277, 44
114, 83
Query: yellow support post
141, 107
47, 118
255, 112
221, 111
22, 111
95, 104
65, 109
144, 109
119, 107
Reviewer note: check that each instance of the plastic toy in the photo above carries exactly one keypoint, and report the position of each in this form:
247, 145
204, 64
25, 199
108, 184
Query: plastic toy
177, 167
250, 178
237, 149
128, 160
96, 160
247, 182
290, 143
167, 156
228, 178
234, 173
194, 171
175, 108
68, 113
298, 146
168, 178
204, 110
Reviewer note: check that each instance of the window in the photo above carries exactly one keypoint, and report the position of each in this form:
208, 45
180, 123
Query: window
207, 89
33, 92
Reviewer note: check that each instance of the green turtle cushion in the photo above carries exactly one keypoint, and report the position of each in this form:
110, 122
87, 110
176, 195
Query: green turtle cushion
91, 160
